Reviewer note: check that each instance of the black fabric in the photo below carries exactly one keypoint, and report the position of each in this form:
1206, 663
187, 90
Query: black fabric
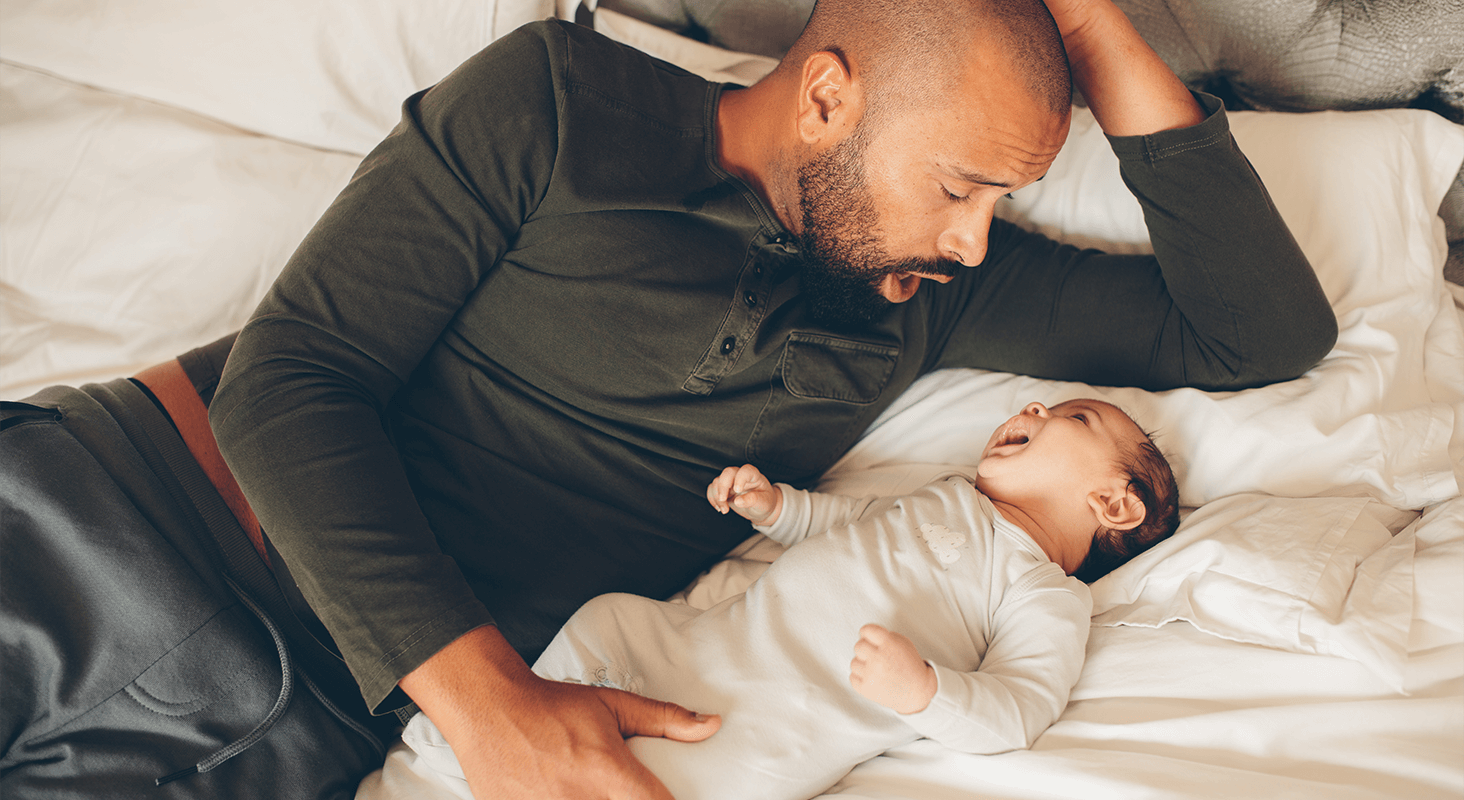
126, 653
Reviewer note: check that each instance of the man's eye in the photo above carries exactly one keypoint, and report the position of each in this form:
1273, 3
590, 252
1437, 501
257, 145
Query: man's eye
955, 197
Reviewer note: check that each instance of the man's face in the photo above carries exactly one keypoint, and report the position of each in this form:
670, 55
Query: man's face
912, 196
844, 261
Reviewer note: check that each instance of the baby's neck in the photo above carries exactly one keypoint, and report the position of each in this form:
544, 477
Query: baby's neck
1047, 530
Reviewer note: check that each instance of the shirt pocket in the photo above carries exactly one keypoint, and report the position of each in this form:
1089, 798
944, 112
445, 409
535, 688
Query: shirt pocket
825, 392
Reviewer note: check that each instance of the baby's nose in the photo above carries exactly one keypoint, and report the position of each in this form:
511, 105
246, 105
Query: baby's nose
1036, 410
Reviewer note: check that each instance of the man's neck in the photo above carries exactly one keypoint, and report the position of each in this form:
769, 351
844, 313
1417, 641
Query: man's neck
752, 143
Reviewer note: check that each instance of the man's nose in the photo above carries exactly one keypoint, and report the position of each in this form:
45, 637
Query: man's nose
965, 241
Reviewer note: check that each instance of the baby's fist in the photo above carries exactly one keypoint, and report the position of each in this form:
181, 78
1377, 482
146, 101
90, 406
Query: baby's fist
889, 670
747, 491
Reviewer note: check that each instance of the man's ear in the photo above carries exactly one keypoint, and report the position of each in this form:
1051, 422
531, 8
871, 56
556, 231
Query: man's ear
1118, 510
830, 101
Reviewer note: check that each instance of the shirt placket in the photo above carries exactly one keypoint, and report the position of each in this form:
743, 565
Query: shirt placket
745, 312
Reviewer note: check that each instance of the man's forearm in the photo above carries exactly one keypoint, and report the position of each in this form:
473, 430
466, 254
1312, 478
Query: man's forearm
1130, 90
479, 659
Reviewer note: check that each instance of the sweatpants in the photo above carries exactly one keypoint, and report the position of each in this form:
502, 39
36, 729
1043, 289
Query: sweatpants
145, 648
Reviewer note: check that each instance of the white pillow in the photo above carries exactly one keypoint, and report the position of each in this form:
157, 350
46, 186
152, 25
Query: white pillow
1323, 575
328, 73
1360, 191
133, 232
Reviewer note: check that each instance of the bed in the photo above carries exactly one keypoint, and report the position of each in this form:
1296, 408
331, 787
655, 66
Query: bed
1302, 635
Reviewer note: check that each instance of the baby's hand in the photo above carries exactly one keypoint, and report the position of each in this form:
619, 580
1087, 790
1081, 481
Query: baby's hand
748, 492
889, 670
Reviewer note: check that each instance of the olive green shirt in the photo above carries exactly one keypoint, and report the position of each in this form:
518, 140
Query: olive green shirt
495, 379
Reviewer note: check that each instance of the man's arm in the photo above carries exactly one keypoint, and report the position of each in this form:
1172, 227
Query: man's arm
301, 410
1130, 90
300, 418
1227, 301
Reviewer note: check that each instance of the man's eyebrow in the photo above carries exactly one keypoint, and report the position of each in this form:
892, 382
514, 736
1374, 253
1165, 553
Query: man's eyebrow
976, 177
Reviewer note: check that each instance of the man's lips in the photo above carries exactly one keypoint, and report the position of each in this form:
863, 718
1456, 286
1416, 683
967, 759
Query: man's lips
932, 276
901, 286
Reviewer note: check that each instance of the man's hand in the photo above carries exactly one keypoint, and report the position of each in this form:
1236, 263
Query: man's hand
520, 736
747, 491
889, 670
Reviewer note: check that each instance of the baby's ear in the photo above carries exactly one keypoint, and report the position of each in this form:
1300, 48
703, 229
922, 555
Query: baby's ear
1118, 510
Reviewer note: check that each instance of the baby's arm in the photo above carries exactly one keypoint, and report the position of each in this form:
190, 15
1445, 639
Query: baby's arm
889, 670
785, 514
1022, 684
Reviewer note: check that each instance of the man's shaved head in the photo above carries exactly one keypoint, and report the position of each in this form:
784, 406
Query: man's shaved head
908, 52
910, 119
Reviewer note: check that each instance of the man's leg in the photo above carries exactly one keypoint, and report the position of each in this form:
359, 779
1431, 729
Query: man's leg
127, 654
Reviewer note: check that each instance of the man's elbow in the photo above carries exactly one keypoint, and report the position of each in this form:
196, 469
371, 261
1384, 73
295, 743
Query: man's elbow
1305, 341
1288, 348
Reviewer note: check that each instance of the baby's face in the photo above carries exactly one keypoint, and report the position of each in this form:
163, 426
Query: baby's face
1045, 452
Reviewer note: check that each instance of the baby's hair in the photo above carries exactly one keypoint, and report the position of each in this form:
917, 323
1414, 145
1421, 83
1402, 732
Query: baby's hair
1152, 480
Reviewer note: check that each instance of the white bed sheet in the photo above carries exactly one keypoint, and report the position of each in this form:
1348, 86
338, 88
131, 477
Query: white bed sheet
132, 230
1173, 712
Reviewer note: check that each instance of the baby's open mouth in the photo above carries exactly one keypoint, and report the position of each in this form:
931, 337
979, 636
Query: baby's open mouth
1012, 437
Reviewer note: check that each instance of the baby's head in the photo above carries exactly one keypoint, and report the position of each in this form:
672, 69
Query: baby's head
1084, 481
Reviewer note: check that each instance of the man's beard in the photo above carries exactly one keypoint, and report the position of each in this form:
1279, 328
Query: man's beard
843, 261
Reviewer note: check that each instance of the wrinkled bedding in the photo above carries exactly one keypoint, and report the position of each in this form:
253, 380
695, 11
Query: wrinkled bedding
1301, 636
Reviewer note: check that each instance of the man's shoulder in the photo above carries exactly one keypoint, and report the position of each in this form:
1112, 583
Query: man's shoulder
620, 78
578, 66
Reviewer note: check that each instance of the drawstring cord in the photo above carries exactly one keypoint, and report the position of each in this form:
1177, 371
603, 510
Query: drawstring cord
345, 719
287, 691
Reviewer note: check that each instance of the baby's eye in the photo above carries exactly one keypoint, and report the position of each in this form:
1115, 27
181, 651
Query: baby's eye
1083, 418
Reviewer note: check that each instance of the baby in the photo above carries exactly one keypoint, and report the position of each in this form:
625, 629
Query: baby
956, 602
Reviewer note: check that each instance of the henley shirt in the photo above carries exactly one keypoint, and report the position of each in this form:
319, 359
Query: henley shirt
495, 379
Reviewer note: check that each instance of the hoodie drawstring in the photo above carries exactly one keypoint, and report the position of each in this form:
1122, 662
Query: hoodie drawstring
287, 691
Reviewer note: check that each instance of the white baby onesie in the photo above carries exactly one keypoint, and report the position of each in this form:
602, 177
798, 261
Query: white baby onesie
1002, 625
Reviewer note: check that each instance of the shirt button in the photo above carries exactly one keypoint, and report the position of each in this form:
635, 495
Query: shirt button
750, 299
728, 343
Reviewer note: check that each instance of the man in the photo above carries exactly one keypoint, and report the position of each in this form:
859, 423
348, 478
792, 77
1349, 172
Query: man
574, 282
